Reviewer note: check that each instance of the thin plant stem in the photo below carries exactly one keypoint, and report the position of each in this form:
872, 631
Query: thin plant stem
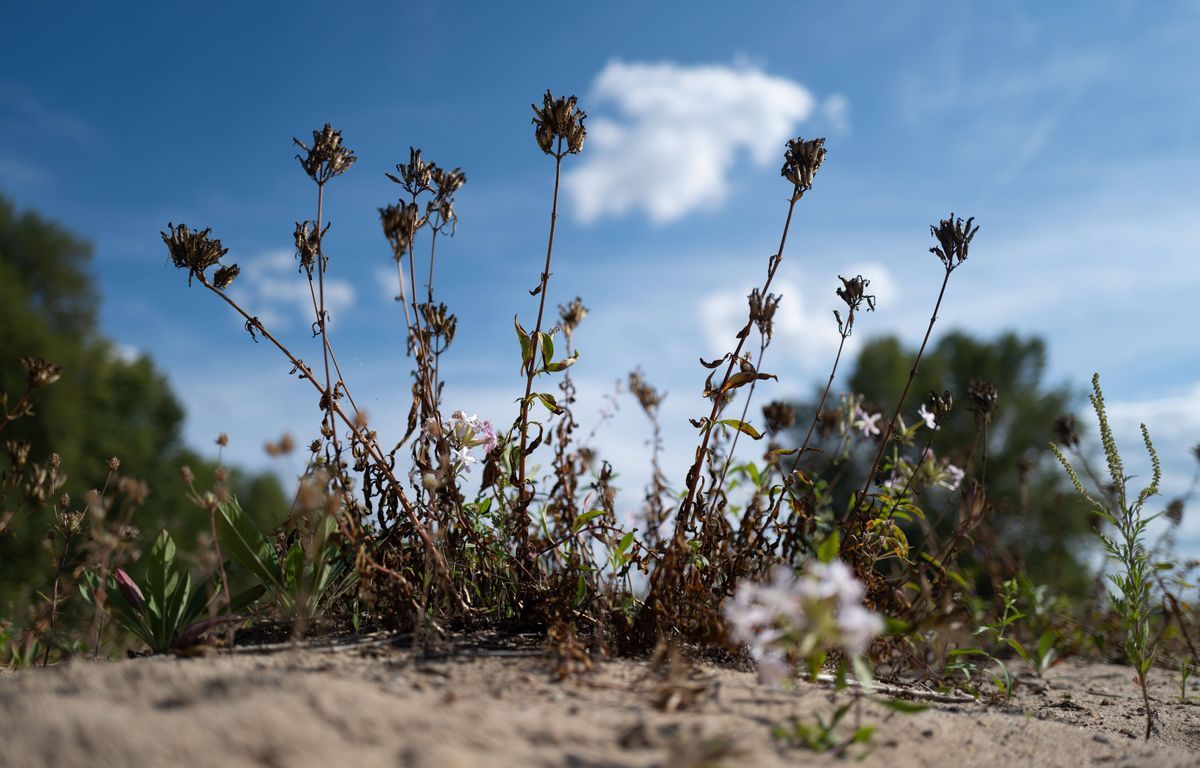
912, 374
531, 369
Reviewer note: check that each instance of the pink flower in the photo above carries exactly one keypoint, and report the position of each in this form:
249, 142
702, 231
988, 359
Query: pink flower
485, 436
129, 590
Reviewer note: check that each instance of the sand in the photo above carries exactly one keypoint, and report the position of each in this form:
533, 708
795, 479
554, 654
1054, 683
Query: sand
477, 703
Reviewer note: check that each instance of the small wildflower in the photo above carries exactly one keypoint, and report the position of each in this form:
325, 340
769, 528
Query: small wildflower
928, 417
801, 616
129, 589
463, 457
867, 422
485, 436
953, 477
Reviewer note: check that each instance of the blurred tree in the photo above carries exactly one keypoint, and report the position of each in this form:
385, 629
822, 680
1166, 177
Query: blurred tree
1036, 521
104, 405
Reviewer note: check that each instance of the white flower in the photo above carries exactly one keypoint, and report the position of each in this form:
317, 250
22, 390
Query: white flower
867, 422
928, 417
954, 477
835, 580
462, 456
858, 627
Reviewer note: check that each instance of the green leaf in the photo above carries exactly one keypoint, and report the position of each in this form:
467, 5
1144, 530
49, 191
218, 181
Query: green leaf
526, 343
863, 734
829, 548
742, 427
907, 707
547, 348
584, 519
563, 364
246, 598
550, 403
242, 541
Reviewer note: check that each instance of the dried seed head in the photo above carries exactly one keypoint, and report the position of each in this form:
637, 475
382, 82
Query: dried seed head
762, 311
327, 157
445, 185
18, 452
571, 315
983, 396
439, 323
400, 224
39, 372
193, 251
559, 119
854, 292
185, 474
134, 490
417, 175
954, 240
226, 275
801, 162
113, 464
778, 416
647, 396
308, 244
1064, 430
1175, 512
940, 405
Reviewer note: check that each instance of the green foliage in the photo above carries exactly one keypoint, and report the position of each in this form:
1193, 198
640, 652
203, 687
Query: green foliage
1131, 588
1033, 518
305, 578
821, 735
103, 406
162, 614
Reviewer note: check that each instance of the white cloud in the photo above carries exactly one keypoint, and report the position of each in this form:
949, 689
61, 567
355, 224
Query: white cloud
835, 110
272, 289
676, 136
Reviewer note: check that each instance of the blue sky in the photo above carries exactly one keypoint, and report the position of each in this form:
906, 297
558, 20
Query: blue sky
1070, 131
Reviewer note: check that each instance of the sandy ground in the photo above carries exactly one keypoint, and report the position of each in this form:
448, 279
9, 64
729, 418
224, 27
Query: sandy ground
378, 704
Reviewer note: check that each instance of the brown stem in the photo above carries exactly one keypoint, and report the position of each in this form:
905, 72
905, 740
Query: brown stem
531, 372
693, 477
372, 447
912, 374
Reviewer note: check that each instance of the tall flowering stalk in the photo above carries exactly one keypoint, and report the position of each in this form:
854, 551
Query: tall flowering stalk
559, 131
1130, 589
802, 159
953, 238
